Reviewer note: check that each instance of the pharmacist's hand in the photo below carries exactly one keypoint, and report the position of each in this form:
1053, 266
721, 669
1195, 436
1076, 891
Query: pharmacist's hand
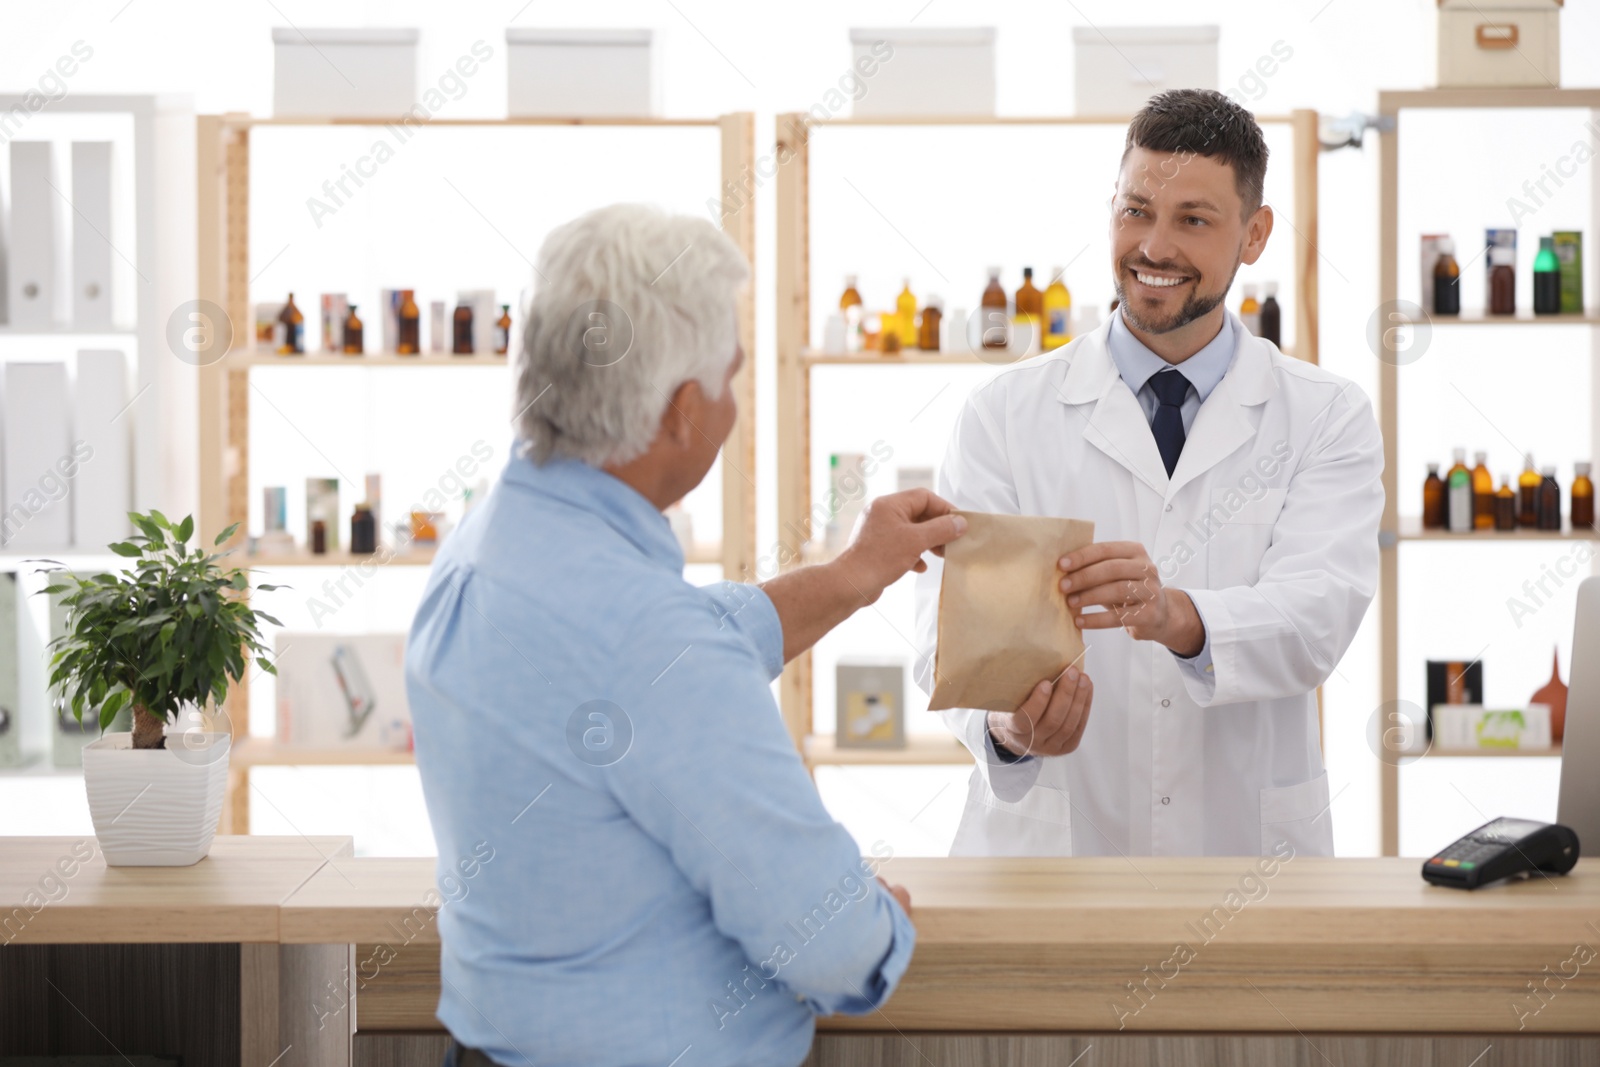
1120, 577
895, 531
900, 893
1050, 722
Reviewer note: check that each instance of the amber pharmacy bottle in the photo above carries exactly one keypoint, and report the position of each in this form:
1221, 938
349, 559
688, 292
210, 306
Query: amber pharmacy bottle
1433, 499
1505, 506
905, 309
1271, 314
354, 343
293, 329
992, 320
407, 342
1528, 495
1502, 281
1029, 314
363, 530
850, 308
319, 537
1458, 494
1250, 310
1057, 310
1582, 498
502, 331
1446, 280
461, 330
1549, 499
932, 317
1482, 493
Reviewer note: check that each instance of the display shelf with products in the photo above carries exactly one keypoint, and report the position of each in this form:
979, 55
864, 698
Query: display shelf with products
224, 214
1490, 108
799, 354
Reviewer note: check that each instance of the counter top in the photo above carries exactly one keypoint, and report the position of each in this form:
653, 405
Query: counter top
59, 890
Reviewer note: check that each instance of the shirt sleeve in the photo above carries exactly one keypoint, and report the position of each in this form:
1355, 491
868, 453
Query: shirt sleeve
1198, 668
750, 612
714, 778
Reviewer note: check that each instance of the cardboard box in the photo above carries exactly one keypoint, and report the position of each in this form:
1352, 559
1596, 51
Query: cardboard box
1116, 69
1499, 43
582, 72
342, 691
366, 72
923, 71
1569, 253
1468, 727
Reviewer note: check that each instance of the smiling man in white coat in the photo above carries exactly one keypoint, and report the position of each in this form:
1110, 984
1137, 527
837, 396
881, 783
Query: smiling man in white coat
1235, 495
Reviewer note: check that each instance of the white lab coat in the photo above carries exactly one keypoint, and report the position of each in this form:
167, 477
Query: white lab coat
1269, 522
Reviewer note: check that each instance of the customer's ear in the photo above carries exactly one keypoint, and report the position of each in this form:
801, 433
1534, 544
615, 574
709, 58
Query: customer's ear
684, 414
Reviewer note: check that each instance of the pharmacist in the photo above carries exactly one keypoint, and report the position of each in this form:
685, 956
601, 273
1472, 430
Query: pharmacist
1235, 496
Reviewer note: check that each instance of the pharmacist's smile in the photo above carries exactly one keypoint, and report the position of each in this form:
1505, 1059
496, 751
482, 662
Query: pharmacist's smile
1158, 282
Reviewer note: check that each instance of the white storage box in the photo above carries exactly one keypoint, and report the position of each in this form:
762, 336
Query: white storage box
360, 72
582, 72
1117, 69
935, 71
342, 690
1500, 43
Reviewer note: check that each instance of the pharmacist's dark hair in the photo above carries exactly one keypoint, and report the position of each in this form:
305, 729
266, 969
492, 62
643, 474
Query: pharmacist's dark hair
1206, 123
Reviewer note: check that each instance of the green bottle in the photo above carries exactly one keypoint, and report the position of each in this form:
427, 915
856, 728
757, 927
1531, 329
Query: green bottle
1546, 279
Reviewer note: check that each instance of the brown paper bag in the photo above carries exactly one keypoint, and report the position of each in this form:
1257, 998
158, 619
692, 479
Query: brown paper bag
1003, 621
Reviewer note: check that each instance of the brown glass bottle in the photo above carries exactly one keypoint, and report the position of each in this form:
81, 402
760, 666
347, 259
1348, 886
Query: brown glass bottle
1433, 499
992, 316
1029, 315
319, 537
1505, 506
1446, 280
363, 530
461, 330
407, 343
1502, 282
294, 324
354, 334
502, 331
1549, 500
1582, 498
1482, 493
1528, 495
928, 331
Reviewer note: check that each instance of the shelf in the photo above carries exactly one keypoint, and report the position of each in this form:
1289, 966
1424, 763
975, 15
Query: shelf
922, 750
67, 331
248, 358
705, 553
420, 557
1392, 100
915, 357
1496, 753
258, 752
1521, 318
1411, 530
1003, 120
242, 122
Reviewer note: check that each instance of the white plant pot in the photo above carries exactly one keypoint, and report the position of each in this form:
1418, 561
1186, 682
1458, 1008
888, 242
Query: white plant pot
156, 807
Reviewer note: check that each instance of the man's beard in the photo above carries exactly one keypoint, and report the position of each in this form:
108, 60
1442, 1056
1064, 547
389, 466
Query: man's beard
1197, 305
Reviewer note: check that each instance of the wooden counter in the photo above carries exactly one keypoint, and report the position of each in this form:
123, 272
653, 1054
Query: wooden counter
1010, 953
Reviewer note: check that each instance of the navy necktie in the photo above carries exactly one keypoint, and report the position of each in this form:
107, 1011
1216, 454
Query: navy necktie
1170, 388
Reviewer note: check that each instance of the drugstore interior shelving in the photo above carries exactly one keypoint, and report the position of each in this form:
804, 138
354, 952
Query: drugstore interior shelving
223, 158
796, 359
1495, 103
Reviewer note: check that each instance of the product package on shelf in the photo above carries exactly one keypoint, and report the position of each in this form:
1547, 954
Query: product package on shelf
91, 249
335, 309
342, 691
10, 654
871, 704
38, 457
1468, 727
102, 444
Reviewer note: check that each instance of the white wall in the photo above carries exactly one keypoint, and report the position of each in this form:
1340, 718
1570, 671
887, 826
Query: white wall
766, 57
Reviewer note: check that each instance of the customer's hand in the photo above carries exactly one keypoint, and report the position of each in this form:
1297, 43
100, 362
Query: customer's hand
1051, 721
895, 531
900, 893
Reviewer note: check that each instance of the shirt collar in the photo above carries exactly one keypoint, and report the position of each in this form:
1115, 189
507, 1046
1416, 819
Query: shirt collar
1137, 364
615, 502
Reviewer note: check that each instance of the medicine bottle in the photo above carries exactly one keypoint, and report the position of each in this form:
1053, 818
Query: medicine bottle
1549, 500
1433, 499
1582, 498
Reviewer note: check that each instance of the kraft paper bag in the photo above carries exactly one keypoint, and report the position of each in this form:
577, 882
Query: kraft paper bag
1004, 625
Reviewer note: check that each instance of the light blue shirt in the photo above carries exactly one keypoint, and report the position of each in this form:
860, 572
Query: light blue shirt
665, 886
1136, 365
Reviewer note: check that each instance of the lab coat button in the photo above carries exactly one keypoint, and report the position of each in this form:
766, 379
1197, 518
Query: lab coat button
1166, 703
1169, 507
1166, 800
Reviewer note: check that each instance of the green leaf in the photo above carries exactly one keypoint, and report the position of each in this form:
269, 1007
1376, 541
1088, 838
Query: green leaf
161, 520
185, 528
123, 548
55, 589
225, 534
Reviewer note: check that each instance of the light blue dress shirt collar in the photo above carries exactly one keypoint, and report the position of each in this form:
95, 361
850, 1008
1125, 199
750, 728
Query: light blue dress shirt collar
1136, 364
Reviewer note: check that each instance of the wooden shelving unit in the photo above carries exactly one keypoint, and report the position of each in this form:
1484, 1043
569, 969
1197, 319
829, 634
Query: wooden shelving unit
796, 358
223, 206
1398, 484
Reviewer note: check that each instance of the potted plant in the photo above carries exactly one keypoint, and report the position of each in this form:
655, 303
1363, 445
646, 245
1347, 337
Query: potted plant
165, 638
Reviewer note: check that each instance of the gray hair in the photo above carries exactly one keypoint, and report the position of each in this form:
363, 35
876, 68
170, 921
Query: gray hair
632, 302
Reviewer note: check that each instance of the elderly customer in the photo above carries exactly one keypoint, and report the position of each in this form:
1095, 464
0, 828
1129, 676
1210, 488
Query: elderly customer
643, 871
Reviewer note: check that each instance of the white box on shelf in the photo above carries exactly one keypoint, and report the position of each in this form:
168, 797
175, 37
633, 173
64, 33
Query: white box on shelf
91, 234
932, 71
37, 416
1499, 43
1472, 727
102, 489
1117, 68
342, 691
367, 72
582, 72
35, 237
